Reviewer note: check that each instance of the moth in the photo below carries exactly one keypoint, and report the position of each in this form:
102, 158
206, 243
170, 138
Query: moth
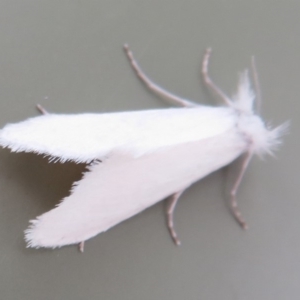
138, 158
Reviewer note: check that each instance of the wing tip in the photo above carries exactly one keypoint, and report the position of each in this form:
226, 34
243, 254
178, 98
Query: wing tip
36, 239
30, 237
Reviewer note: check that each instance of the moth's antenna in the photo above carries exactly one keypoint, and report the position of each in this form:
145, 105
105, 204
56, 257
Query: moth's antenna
256, 85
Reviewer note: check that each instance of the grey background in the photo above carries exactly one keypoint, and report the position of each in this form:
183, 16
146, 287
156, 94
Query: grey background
67, 55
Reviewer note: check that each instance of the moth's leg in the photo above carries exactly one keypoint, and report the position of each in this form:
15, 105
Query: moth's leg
208, 80
81, 247
153, 86
41, 109
170, 215
233, 203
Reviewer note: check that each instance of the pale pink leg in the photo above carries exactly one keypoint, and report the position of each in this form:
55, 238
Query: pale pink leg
233, 203
41, 109
208, 80
81, 247
170, 214
153, 86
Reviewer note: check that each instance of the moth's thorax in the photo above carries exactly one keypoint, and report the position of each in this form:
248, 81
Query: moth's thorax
258, 136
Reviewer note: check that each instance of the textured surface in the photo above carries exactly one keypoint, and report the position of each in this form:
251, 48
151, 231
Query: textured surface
122, 186
68, 56
85, 137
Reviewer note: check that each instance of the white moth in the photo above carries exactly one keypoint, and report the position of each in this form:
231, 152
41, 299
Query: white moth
138, 158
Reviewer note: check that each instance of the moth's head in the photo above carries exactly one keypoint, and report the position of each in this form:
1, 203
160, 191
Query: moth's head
264, 138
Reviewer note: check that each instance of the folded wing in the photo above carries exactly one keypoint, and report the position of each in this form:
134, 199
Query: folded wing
123, 185
85, 137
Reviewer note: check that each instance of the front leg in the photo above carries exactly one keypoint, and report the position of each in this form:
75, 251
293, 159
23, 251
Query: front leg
153, 86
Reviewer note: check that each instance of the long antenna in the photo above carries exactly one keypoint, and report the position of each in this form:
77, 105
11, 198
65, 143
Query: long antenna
256, 85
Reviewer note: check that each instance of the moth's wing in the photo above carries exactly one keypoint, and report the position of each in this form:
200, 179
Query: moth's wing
123, 185
85, 137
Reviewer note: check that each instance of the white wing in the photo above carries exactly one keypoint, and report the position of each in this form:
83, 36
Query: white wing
124, 185
85, 137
